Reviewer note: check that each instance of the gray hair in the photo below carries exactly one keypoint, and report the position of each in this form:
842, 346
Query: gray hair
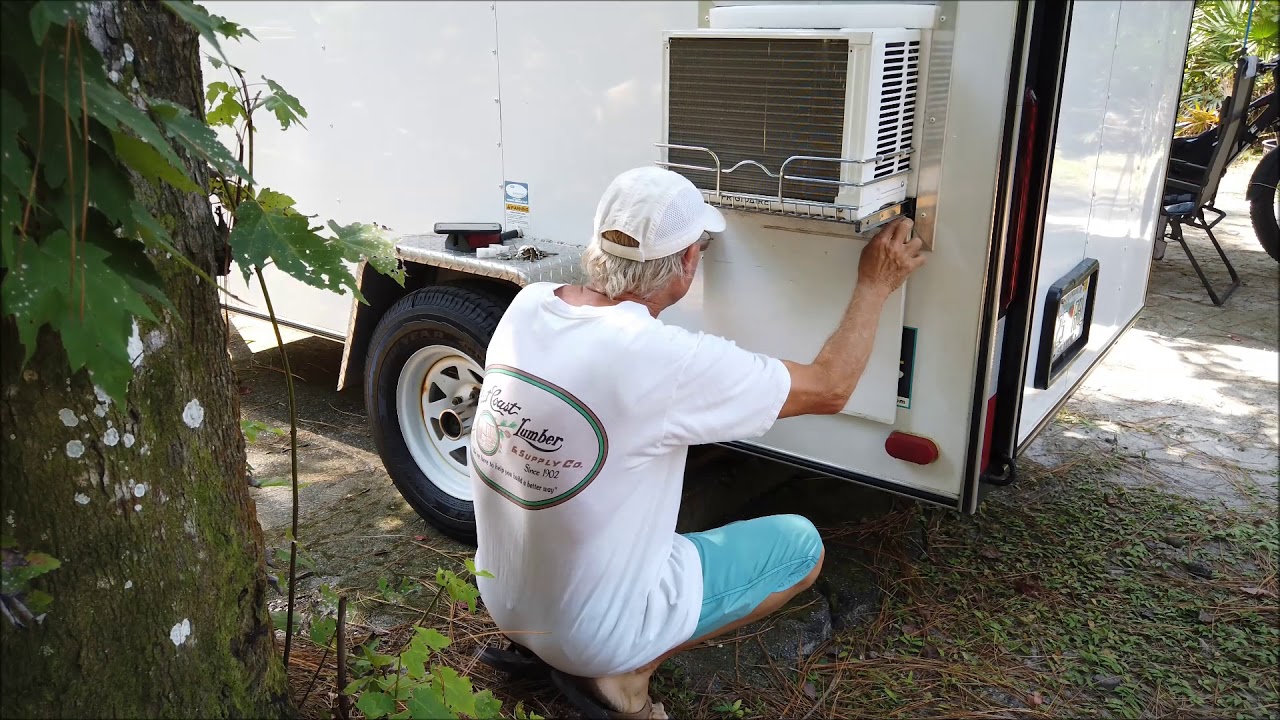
615, 276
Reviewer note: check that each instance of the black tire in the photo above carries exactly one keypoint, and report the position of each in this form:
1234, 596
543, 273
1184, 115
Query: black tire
460, 318
1262, 202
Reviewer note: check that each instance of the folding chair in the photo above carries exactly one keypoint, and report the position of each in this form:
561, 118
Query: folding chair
1190, 187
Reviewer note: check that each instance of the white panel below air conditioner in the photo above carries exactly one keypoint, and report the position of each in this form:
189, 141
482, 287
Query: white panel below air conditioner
779, 286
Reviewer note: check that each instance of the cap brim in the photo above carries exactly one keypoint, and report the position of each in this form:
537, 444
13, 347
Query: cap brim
712, 219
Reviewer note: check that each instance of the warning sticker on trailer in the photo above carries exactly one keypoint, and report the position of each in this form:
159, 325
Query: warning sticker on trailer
516, 201
906, 367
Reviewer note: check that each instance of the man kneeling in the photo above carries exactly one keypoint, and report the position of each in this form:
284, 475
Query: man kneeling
578, 447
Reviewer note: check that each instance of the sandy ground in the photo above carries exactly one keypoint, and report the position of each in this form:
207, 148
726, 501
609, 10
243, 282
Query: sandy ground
1191, 388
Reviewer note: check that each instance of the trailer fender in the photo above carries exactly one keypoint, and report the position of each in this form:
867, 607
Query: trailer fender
381, 292
427, 261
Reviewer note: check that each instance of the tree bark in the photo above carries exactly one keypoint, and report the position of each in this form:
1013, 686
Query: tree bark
159, 606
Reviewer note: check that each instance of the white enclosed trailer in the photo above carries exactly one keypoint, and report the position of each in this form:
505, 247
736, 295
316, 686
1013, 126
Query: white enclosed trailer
1028, 140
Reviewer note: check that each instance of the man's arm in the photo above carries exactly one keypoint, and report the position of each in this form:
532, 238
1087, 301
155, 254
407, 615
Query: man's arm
823, 387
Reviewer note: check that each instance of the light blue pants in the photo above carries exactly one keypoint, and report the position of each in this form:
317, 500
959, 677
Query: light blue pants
745, 562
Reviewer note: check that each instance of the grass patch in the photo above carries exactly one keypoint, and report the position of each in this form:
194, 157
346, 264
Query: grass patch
1066, 596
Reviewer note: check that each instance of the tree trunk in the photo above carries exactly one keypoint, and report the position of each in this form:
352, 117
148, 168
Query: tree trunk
159, 606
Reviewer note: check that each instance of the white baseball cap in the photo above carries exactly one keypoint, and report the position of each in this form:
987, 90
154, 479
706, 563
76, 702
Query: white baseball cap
659, 208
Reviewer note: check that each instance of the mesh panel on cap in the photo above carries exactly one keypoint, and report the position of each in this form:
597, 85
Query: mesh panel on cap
681, 219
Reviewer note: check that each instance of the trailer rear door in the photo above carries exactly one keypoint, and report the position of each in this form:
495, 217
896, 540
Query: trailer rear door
1119, 99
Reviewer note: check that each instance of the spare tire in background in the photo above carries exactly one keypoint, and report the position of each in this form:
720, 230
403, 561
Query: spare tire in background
422, 379
1262, 202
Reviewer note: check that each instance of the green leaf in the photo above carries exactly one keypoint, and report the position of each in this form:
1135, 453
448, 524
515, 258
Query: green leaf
354, 686
231, 30
431, 638
470, 564
305, 560
520, 713
279, 481
156, 237
10, 218
427, 703
285, 106
38, 601
226, 113
250, 429
262, 236
97, 338
201, 20
227, 192
375, 704
271, 200
368, 242
487, 706
322, 631
217, 88
110, 107
198, 137
42, 563
395, 685
34, 291
14, 165
56, 12
279, 619
457, 690
150, 163
460, 591
110, 188
129, 260
414, 659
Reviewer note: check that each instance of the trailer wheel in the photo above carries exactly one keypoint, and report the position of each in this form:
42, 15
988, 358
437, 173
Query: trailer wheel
422, 383
1262, 203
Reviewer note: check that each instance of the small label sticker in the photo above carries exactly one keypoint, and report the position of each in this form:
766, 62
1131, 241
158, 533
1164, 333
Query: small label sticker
516, 202
906, 367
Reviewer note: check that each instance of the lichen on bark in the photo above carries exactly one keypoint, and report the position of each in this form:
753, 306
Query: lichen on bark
159, 606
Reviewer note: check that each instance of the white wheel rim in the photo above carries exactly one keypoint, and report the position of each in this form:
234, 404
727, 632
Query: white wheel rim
435, 399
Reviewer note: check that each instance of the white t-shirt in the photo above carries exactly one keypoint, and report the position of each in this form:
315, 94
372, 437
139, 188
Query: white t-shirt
577, 462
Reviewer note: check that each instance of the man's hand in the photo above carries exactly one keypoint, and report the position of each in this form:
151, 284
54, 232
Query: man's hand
893, 254
823, 386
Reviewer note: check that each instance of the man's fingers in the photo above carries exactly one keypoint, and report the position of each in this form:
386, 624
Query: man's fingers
902, 229
887, 232
915, 244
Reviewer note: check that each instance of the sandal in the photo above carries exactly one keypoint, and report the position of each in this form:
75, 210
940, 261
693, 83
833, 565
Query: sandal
592, 709
515, 660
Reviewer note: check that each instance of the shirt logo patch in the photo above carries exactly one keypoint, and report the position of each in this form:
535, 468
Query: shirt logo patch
533, 442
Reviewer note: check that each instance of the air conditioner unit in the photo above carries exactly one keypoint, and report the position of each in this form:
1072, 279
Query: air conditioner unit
811, 123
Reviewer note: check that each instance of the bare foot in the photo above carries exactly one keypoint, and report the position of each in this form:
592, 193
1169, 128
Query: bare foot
625, 694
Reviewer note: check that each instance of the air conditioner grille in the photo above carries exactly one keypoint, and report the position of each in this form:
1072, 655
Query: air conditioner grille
901, 79
761, 99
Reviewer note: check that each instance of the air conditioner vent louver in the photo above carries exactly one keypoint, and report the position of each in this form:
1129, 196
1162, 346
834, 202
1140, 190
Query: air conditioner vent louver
761, 99
901, 78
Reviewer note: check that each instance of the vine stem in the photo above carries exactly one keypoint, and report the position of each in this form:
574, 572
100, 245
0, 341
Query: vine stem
344, 710
84, 212
293, 458
71, 165
311, 686
35, 170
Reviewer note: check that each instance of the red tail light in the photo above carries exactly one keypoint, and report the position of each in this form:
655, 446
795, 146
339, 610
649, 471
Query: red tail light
912, 448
